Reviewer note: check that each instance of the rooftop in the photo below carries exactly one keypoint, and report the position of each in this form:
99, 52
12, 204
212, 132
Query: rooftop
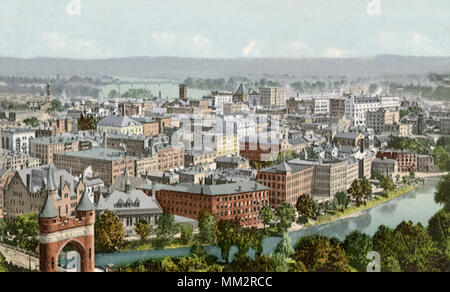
211, 190
97, 153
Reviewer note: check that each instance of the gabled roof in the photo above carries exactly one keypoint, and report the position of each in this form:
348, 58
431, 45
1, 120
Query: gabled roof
117, 121
241, 90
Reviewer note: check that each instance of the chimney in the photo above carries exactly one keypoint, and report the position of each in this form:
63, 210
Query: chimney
61, 182
28, 181
153, 189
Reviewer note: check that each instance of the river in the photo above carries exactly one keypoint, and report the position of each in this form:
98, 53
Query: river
416, 206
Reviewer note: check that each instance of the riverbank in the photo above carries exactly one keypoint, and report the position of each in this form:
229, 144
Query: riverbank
355, 211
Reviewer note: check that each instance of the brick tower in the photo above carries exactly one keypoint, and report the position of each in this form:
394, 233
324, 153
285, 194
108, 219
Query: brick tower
56, 232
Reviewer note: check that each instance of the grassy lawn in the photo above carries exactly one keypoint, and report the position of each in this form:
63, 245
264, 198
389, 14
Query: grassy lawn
149, 244
372, 203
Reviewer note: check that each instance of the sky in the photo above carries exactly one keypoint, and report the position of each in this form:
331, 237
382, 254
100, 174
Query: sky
223, 28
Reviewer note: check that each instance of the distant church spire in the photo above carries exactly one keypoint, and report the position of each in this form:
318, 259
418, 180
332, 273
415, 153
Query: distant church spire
47, 92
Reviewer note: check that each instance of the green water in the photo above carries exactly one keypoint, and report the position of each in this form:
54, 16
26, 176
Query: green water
416, 206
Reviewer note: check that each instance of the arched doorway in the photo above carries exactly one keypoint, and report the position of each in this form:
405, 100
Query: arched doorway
71, 255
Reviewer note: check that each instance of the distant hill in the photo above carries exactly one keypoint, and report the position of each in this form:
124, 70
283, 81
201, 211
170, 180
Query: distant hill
180, 68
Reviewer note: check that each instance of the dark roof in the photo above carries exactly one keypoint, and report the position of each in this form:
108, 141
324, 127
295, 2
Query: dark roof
212, 190
49, 210
85, 203
286, 167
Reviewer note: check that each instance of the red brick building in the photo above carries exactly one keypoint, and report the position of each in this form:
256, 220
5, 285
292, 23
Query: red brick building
55, 127
287, 182
407, 160
260, 150
243, 201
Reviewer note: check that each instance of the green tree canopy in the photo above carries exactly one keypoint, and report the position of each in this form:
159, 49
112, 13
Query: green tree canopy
321, 254
109, 233
21, 231
357, 245
286, 216
227, 232
143, 229
206, 225
442, 195
166, 230
306, 206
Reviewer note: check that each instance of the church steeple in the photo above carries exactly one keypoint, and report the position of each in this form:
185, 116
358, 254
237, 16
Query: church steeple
47, 92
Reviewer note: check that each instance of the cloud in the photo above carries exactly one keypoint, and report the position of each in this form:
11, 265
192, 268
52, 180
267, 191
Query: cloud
251, 49
424, 44
163, 38
337, 53
192, 44
410, 44
64, 45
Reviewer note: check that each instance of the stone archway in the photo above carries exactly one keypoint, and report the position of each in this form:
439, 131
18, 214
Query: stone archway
80, 250
56, 232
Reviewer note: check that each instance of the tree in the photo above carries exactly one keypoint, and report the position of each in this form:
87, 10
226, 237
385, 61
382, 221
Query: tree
387, 183
244, 241
187, 233
405, 180
342, 199
357, 245
442, 195
306, 206
33, 122
285, 246
86, 123
366, 188
439, 229
227, 232
206, 225
55, 106
412, 174
267, 215
22, 232
109, 233
143, 229
286, 215
356, 191
320, 254
410, 248
166, 230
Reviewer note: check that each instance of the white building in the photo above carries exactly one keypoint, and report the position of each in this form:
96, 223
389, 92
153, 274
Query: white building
242, 125
219, 98
17, 139
356, 107
321, 106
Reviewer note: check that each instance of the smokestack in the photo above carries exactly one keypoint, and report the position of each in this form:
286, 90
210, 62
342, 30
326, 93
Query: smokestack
61, 182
